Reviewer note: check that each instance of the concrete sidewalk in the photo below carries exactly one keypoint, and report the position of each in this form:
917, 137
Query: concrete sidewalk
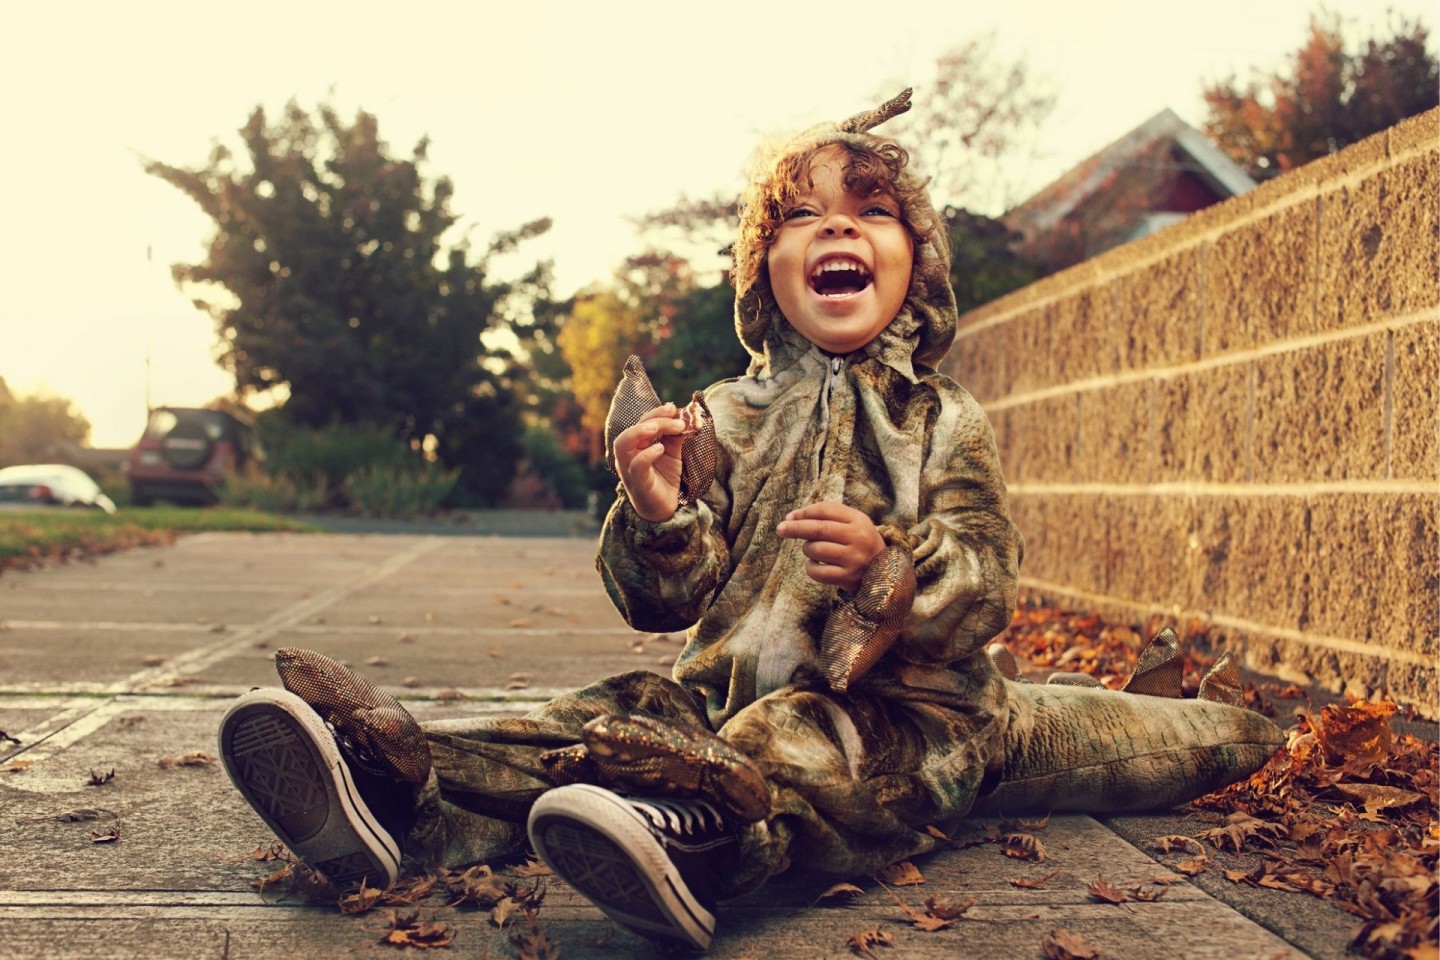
126, 664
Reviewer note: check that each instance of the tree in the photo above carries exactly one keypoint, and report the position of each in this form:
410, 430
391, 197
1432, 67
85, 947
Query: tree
38, 428
330, 274
1325, 99
983, 263
971, 122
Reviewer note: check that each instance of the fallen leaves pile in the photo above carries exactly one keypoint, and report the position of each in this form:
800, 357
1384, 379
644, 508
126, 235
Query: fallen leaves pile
1346, 811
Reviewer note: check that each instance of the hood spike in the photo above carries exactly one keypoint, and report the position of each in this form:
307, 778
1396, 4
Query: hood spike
868, 119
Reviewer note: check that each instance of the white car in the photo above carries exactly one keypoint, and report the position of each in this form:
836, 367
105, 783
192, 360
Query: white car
51, 484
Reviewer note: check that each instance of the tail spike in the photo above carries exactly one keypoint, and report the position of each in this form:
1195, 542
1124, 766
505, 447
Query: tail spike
1222, 684
1160, 671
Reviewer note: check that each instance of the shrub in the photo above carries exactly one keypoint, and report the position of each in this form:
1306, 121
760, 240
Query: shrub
261, 490
398, 491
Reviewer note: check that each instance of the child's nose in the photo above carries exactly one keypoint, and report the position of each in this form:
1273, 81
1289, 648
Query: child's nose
839, 225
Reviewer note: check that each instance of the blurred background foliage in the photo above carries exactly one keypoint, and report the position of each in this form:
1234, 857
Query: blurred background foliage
398, 373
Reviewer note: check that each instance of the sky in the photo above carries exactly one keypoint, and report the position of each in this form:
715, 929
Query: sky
588, 113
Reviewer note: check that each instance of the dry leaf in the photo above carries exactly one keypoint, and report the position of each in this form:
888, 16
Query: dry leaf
863, 941
532, 868
153, 661
409, 930
1035, 884
449, 695
1358, 735
1064, 945
410, 682
1239, 828
404, 638
946, 909
1101, 890
902, 874
517, 684
1192, 866
109, 836
936, 833
377, 661
372, 619
196, 759
100, 779
1376, 796
16, 766
1022, 846
839, 890
1174, 841
276, 851
535, 944
503, 911
361, 901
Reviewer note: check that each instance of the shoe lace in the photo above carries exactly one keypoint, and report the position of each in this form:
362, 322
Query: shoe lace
683, 818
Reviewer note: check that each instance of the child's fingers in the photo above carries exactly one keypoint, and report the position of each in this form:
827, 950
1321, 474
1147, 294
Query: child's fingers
827, 530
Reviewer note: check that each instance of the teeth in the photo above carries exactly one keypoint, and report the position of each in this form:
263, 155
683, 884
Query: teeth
830, 266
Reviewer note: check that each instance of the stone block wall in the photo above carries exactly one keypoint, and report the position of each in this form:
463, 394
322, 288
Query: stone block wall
1236, 421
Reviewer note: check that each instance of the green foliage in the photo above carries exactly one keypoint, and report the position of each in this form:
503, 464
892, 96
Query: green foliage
258, 489
35, 428
322, 457
983, 267
699, 346
399, 492
329, 273
1326, 99
552, 477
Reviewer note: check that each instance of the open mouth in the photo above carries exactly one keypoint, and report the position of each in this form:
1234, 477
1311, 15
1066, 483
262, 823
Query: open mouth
839, 277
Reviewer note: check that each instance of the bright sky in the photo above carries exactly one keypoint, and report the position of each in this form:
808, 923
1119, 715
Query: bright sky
584, 112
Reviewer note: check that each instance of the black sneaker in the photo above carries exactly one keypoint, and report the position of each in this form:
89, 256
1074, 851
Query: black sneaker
286, 764
653, 865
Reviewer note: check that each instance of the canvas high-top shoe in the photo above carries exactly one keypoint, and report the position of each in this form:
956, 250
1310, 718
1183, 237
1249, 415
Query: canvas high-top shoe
652, 864
286, 763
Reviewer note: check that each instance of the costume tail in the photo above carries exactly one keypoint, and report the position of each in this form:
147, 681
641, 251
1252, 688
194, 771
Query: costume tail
1083, 749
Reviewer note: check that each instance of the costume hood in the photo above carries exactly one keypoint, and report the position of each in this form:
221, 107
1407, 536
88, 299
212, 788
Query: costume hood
921, 332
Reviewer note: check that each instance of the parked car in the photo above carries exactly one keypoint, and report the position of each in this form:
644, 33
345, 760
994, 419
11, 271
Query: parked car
51, 484
186, 454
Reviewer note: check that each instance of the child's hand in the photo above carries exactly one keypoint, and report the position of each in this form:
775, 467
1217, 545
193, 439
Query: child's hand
647, 457
839, 542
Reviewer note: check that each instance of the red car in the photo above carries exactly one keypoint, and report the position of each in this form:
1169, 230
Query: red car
187, 453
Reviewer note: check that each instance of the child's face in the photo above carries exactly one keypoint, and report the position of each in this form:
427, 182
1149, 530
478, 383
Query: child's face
840, 264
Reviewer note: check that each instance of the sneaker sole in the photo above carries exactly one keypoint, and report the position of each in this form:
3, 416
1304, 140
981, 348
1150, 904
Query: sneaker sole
286, 765
602, 847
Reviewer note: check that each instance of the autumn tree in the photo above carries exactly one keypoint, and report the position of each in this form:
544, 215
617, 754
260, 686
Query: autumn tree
1325, 98
34, 428
971, 122
332, 273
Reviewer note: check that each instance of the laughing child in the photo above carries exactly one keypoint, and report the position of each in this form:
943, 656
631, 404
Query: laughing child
831, 529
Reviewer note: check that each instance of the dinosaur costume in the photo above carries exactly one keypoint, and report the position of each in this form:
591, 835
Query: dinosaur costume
843, 769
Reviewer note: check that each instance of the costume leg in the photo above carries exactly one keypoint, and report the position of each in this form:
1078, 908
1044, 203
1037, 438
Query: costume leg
487, 771
856, 777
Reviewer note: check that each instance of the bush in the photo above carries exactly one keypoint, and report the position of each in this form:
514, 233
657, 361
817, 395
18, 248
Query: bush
549, 476
324, 458
399, 491
261, 490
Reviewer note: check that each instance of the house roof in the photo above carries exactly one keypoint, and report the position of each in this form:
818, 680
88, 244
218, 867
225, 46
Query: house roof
1049, 206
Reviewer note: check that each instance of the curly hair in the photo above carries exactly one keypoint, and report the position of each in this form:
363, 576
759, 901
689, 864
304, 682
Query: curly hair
781, 174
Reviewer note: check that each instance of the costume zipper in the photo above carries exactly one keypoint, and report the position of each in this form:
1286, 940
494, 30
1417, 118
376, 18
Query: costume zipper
833, 374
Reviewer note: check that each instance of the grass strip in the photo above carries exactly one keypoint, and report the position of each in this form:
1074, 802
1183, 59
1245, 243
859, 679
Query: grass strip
34, 537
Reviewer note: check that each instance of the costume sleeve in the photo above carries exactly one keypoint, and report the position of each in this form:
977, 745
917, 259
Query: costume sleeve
662, 576
966, 550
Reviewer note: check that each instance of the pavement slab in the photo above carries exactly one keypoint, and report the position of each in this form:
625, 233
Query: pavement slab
127, 664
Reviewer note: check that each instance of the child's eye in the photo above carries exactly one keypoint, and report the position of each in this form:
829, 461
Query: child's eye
799, 212
880, 211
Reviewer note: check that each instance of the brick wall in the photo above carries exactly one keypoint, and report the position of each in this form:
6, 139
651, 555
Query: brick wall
1235, 421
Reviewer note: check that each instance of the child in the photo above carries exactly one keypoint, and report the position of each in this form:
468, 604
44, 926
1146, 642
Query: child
833, 531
